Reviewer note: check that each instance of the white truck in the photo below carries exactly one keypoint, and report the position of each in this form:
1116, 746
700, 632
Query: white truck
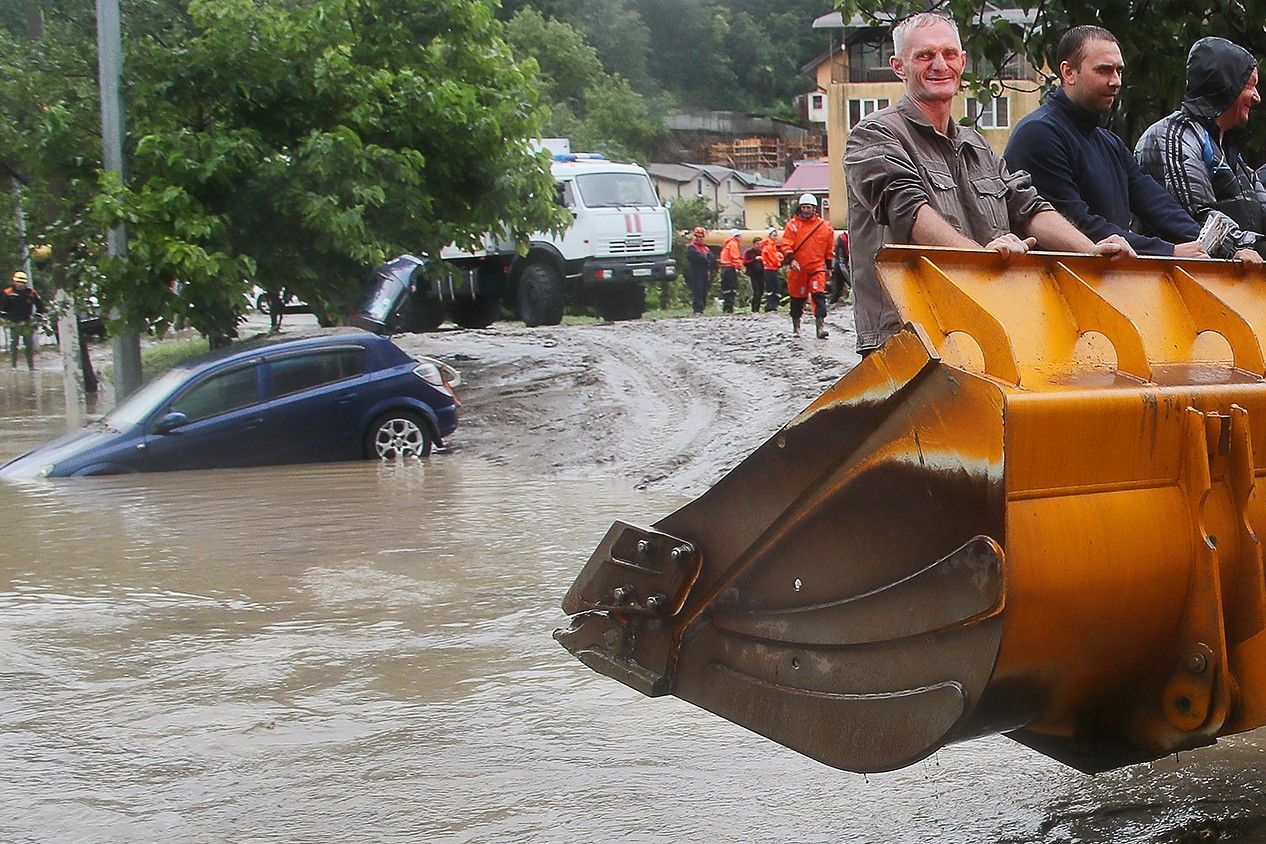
621, 239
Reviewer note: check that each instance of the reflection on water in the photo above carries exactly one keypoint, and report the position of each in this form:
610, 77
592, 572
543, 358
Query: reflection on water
363, 651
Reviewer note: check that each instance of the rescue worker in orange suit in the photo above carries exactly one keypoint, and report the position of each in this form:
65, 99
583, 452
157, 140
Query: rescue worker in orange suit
731, 263
807, 244
771, 258
755, 270
699, 262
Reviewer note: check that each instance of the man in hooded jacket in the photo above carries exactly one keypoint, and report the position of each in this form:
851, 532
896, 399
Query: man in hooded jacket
1196, 151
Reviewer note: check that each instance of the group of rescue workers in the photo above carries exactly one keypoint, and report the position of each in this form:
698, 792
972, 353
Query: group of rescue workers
807, 247
1064, 182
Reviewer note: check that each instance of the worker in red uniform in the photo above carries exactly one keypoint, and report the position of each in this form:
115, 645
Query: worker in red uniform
771, 257
807, 244
731, 262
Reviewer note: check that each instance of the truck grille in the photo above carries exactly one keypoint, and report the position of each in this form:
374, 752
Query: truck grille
635, 245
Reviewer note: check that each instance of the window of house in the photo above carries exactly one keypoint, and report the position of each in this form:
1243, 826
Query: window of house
816, 101
995, 114
868, 59
859, 108
699, 187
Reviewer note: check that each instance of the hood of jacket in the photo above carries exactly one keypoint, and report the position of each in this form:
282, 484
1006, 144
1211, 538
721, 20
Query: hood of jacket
1216, 72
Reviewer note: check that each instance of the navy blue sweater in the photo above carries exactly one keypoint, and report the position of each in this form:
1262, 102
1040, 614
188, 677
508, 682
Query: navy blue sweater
1092, 178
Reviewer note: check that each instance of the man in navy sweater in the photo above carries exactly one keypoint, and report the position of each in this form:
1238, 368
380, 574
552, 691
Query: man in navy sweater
1085, 171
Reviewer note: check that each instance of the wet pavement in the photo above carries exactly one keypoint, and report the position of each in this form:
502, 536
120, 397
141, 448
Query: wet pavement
362, 651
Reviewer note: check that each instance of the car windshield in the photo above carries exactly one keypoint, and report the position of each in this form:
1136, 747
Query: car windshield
613, 190
143, 402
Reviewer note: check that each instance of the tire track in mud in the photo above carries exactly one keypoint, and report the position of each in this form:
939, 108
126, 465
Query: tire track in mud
666, 404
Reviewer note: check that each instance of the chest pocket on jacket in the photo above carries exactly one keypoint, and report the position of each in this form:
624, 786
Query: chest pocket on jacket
992, 198
943, 193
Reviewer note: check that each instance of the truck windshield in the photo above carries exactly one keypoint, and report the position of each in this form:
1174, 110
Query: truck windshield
611, 190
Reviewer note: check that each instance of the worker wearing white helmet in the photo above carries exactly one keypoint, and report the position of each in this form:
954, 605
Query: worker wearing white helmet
731, 262
771, 259
807, 244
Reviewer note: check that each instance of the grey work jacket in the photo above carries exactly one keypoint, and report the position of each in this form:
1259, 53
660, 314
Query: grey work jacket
895, 163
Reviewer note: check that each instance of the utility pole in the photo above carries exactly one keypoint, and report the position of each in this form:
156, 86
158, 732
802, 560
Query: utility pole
127, 346
21, 221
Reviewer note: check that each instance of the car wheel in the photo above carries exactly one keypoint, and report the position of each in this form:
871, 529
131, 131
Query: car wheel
398, 434
476, 313
262, 304
540, 295
626, 301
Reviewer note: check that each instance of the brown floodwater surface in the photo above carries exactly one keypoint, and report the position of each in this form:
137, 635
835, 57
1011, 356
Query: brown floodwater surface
362, 652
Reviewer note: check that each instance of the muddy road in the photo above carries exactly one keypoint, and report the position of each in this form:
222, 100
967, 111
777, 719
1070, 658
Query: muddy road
667, 404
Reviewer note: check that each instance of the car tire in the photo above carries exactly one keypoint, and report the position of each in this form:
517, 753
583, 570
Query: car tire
398, 434
540, 295
625, 301
476, 313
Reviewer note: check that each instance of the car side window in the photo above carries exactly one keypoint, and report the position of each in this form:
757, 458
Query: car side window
304, 372
219, 394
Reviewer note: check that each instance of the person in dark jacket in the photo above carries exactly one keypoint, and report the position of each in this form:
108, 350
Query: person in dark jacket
699, 264
18, 304
755, 270
1196, 151
1085, 171
840, 283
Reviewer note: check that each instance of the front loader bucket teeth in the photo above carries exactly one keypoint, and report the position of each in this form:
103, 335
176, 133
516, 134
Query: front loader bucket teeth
1032, 511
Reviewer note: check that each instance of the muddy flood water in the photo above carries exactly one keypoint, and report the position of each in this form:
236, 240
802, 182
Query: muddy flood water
362, 652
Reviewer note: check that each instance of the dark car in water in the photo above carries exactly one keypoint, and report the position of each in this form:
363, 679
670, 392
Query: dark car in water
338, 395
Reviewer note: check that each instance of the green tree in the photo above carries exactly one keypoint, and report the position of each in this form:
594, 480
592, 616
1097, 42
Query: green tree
298, 143
50, 134
598, 111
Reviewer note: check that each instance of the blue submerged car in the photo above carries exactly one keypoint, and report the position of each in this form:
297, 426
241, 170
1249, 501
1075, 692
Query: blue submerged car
339, 395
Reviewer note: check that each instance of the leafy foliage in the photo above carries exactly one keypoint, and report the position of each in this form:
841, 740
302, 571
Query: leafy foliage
718, 54
296, 143
599, 111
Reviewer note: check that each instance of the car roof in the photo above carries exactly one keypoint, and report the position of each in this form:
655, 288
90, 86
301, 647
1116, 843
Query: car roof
272, 343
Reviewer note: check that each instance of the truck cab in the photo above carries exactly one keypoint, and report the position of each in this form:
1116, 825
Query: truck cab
619, 240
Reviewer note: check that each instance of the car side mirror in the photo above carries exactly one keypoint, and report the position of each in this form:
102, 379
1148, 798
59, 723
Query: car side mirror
170, 422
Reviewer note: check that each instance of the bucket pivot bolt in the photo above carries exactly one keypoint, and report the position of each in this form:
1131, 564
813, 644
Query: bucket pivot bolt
683, 555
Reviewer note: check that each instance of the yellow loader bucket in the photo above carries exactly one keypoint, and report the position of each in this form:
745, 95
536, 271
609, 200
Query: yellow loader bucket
1033, 511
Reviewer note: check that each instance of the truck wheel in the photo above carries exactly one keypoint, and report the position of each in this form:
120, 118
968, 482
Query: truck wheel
627, 301
540, 295
425, 313
476, 313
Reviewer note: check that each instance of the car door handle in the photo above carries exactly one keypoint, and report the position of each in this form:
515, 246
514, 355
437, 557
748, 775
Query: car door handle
346, 398
252, 424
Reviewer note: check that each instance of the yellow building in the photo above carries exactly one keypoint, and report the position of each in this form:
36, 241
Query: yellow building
854, 79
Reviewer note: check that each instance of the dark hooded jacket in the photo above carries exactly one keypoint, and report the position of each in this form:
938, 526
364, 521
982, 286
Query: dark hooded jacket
1188, 154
